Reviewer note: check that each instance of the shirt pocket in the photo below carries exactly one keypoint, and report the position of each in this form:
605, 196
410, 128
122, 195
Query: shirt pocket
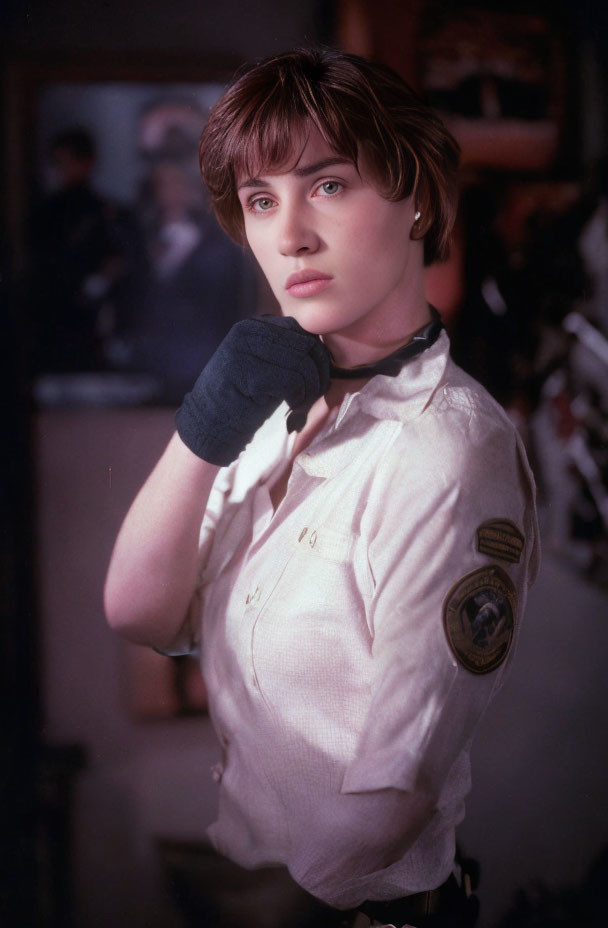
310, 641
327, 544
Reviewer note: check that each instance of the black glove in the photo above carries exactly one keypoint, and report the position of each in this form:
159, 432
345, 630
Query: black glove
260, 363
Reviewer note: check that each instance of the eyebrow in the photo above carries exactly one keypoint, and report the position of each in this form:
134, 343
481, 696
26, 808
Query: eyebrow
299, 172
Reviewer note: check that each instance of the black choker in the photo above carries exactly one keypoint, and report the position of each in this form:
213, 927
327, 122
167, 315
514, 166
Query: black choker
391, 365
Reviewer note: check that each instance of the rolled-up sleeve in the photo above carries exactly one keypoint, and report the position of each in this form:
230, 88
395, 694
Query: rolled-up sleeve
425, 702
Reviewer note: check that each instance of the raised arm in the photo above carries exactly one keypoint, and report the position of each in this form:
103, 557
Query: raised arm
153, 570
154, 567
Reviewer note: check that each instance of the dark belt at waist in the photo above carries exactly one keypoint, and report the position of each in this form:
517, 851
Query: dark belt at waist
449, 899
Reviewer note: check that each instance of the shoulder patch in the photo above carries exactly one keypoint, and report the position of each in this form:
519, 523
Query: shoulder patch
479, 618
500, 538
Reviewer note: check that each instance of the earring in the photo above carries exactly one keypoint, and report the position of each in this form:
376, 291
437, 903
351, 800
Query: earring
417, 215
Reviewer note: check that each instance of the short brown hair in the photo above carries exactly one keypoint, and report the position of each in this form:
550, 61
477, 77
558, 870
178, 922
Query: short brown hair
359, 107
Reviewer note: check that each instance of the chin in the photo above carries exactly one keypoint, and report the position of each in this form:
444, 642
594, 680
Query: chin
314, 319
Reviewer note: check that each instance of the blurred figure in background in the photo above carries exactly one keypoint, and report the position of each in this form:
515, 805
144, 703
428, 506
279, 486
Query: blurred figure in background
190, 281
78, 249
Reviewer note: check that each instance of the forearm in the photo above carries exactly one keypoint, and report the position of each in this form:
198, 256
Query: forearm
153, 570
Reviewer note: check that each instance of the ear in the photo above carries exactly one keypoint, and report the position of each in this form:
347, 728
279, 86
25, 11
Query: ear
418, 230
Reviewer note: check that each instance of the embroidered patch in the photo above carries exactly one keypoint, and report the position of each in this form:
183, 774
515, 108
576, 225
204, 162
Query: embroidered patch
479, 618
502, 539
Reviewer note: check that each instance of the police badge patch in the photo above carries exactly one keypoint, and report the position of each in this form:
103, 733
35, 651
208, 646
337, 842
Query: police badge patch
479, 619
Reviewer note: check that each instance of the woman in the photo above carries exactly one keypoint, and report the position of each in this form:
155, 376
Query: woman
368, 523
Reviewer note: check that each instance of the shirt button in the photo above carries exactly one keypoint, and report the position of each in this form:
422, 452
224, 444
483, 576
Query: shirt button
216, 772
312, 540
302, 534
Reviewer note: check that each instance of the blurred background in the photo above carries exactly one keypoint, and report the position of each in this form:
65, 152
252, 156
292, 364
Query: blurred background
116, 285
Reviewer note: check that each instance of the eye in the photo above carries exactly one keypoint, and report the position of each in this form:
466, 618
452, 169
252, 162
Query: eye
329, 188
260, 204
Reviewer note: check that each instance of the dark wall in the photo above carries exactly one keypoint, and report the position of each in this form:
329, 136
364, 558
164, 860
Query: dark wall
34, 771
244, 27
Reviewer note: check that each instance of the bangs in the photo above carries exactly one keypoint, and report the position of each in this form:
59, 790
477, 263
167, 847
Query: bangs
274, 142
271, 133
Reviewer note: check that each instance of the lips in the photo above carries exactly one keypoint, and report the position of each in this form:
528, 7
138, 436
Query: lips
302, 277
307, 282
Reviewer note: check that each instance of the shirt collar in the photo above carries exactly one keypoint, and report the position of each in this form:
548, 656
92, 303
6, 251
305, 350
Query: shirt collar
405, 396
392, 401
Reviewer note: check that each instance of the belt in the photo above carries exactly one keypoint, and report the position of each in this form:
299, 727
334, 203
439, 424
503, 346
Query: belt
450, 900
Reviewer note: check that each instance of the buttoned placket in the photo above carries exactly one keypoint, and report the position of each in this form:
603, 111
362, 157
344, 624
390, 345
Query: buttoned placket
317, 462
255, 596
263, 517
268, 521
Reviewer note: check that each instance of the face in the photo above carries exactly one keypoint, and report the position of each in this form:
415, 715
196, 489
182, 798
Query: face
71, 169
338, 256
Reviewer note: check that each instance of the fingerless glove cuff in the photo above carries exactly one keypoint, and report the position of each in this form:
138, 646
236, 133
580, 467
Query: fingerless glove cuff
214, 446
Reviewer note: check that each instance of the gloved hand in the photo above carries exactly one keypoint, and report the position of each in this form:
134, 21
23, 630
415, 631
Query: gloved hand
260, 363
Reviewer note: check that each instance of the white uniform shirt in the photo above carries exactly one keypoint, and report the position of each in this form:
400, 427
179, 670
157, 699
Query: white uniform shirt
332, 685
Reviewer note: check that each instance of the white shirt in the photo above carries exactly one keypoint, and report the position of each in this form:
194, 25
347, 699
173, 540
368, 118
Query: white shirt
332, 685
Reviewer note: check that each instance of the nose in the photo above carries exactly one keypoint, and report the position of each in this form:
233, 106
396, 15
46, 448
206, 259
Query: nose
297, 233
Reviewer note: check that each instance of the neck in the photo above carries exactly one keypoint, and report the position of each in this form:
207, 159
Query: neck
358, 347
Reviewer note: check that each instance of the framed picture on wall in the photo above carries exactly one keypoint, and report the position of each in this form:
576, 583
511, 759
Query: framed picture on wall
130, 282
